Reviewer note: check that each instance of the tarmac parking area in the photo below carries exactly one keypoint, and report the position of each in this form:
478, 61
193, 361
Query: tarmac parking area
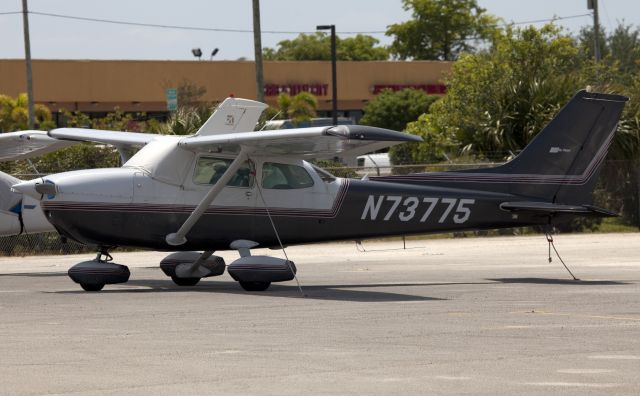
444, 316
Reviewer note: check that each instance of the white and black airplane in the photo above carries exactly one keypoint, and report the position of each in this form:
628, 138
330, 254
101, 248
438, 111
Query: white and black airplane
226, 188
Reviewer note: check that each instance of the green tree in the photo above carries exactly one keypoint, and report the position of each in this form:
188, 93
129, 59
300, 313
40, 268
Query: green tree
394, 110
440, 29
498, 100
620, 49
14, 114
359, 48
317, 46
298, 108
624, 46
585, 42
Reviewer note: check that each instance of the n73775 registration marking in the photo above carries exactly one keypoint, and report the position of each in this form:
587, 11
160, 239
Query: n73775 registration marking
411, 208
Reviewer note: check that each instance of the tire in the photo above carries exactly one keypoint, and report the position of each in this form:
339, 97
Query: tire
92, 287
185, 281
255, 286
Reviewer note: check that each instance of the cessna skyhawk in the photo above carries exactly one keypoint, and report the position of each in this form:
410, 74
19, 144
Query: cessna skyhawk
227, 187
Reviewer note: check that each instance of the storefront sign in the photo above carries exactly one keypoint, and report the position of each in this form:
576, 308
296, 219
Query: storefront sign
294, 89
428, 88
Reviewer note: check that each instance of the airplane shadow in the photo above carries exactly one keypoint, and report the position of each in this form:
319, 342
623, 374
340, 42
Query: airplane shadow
333, 292
553, 281
355, 293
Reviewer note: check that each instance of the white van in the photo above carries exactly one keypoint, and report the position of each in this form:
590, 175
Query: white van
377, 164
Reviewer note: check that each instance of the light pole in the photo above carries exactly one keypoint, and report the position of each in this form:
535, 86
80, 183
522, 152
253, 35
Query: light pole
593, 5
27, 56
257, 48
334, 80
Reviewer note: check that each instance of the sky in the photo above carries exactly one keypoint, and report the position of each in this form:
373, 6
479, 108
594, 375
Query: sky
57, 38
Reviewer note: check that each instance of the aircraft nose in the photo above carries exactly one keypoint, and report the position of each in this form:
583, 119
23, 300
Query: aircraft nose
36, 188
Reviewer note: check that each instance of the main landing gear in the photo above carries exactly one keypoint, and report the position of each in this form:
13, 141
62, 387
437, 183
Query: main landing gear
94, 274
187, 268
255, 273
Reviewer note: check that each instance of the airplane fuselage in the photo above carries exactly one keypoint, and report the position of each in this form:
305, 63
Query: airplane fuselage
132, 209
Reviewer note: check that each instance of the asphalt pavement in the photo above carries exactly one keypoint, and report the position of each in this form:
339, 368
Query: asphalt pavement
443, 316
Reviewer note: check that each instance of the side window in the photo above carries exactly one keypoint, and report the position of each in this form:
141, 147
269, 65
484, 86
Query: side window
210, 169
285, 176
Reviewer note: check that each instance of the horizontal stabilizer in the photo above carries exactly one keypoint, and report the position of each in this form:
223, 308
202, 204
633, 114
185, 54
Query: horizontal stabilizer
233, 115
547, 208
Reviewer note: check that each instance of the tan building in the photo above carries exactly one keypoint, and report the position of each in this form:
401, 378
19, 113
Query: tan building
98, 86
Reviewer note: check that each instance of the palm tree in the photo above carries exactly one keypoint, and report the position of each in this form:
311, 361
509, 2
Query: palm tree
14, 114
298, 108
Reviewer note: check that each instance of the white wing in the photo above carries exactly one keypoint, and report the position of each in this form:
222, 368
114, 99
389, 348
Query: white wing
27, 144
319, 142
105, 137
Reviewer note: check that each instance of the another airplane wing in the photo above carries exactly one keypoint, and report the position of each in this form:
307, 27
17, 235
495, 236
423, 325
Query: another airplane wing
319, 142
115, 138
27, 144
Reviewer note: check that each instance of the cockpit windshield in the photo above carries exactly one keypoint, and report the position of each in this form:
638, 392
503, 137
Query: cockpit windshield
324, 175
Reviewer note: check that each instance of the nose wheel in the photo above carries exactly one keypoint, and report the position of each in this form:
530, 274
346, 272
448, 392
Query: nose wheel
93, 275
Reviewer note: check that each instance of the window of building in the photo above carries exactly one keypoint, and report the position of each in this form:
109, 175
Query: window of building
210, 169
284, 176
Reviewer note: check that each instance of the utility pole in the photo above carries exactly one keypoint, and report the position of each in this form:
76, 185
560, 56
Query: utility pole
257, 47
27, 55
593, 5
334, 79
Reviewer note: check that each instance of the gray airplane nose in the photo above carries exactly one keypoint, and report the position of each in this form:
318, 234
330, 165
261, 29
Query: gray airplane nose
35, 188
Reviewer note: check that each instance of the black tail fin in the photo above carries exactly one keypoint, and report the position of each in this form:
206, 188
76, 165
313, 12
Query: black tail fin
562, 162
559, 166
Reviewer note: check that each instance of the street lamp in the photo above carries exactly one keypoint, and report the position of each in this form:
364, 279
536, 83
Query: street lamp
334, 111
213, 53
197, 52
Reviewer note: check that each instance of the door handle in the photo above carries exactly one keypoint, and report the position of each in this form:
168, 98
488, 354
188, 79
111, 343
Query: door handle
248, 193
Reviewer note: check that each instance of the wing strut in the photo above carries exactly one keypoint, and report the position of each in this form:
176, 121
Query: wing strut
179, 237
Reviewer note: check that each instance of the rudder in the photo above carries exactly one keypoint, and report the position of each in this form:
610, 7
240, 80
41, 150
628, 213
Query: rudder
562, 162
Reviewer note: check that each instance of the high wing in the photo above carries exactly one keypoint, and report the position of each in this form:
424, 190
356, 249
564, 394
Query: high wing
115, 138
27, 144
318, 142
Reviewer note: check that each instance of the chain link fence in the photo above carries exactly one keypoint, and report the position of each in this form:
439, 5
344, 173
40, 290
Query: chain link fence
618, 190
40, 244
